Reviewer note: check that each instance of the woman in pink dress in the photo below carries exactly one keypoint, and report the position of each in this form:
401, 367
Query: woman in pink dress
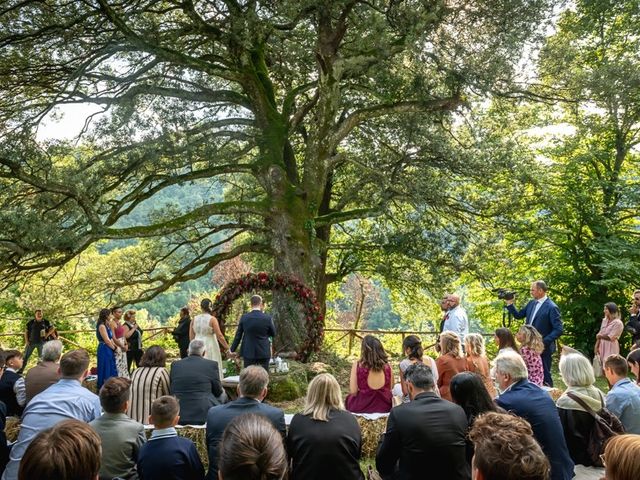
370, 381
610, 330
531, 347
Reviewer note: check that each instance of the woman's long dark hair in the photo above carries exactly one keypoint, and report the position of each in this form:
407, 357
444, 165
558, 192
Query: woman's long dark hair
468, 390
372, 355
413, 343
505, 339
104, 315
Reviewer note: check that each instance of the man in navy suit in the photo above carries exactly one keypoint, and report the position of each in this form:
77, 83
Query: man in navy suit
544, 316
252, 389
527, 400
254, 331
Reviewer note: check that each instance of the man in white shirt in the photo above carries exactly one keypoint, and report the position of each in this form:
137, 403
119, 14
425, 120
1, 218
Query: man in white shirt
457, 320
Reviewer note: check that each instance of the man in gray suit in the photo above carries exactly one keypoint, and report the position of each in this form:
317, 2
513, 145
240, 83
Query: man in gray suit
121, 437
196, 383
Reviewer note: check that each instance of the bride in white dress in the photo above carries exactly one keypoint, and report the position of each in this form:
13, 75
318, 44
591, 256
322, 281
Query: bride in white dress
205, 327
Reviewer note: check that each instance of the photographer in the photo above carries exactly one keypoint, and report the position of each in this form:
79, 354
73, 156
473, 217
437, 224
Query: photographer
633, 325
544, 315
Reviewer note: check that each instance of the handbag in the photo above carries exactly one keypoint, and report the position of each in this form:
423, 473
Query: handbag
597, 366
372, 473
605, 426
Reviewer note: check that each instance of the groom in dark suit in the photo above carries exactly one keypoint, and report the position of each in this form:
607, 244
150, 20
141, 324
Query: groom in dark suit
544, 316
254, 331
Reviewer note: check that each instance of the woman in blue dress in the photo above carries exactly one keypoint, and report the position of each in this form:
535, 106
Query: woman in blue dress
106, 348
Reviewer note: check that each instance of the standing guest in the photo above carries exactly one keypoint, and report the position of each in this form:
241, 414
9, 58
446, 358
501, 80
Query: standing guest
12, 388
412, 349
133, 334
121, 342
205, 327
531, 348
577, 423
477, 361
166, 455
505, 341
196, 383
45, 374
622, 458
251, 449
526, 400
633, 359
4, 447
610, 330
623, 400
254, 331
370, 380
544, 316
148, 382
35, 335
450, 362
324, 430
252, 390
457, 320
633, 325
69, 450
181, 332
468, 391
106, 348
444, 306
64, 400
425, 438
121, 437
505, 449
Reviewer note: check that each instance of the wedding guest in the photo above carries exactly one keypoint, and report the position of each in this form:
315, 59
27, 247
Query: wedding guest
133, 334
505, 449
120, 341
148, 382
106, 348
610, 330
370, 379
623, 399
622, 457
531, 348
166, 455
577, 374
468, 390
251, 449
324, 430
505, 341
37, 331
477, 361
69, 450
4, 446
633, 359
450, 362
12, 388
121, 437
45, 374
181, 332
412, 349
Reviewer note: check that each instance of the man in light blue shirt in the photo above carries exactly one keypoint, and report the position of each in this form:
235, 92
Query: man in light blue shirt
63, 400
456, 320
623, 399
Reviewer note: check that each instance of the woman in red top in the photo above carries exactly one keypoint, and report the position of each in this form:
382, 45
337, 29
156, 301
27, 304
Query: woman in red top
450, 362
370, 381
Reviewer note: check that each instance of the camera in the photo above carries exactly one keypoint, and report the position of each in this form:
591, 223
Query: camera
504, 294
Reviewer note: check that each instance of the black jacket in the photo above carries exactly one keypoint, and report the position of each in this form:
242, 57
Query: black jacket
427, 438
254, 331
7, 395
181, 335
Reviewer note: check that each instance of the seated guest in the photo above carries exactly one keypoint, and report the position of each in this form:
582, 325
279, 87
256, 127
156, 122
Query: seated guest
505, 341
505, 449
148, 382
121, 437
69, 450
4, 448
67, 399
324, 430
195, 382
370, 380
252, 390
477, 361
412, 349
622, 458
577, 423
450, 362
166, 455
425, 435
529, 401
623, 400
531, 348
468, 391
633, 359
45, 373
12, 389
251, 449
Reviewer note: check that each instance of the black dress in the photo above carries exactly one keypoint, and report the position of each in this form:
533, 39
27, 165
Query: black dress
325, 450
